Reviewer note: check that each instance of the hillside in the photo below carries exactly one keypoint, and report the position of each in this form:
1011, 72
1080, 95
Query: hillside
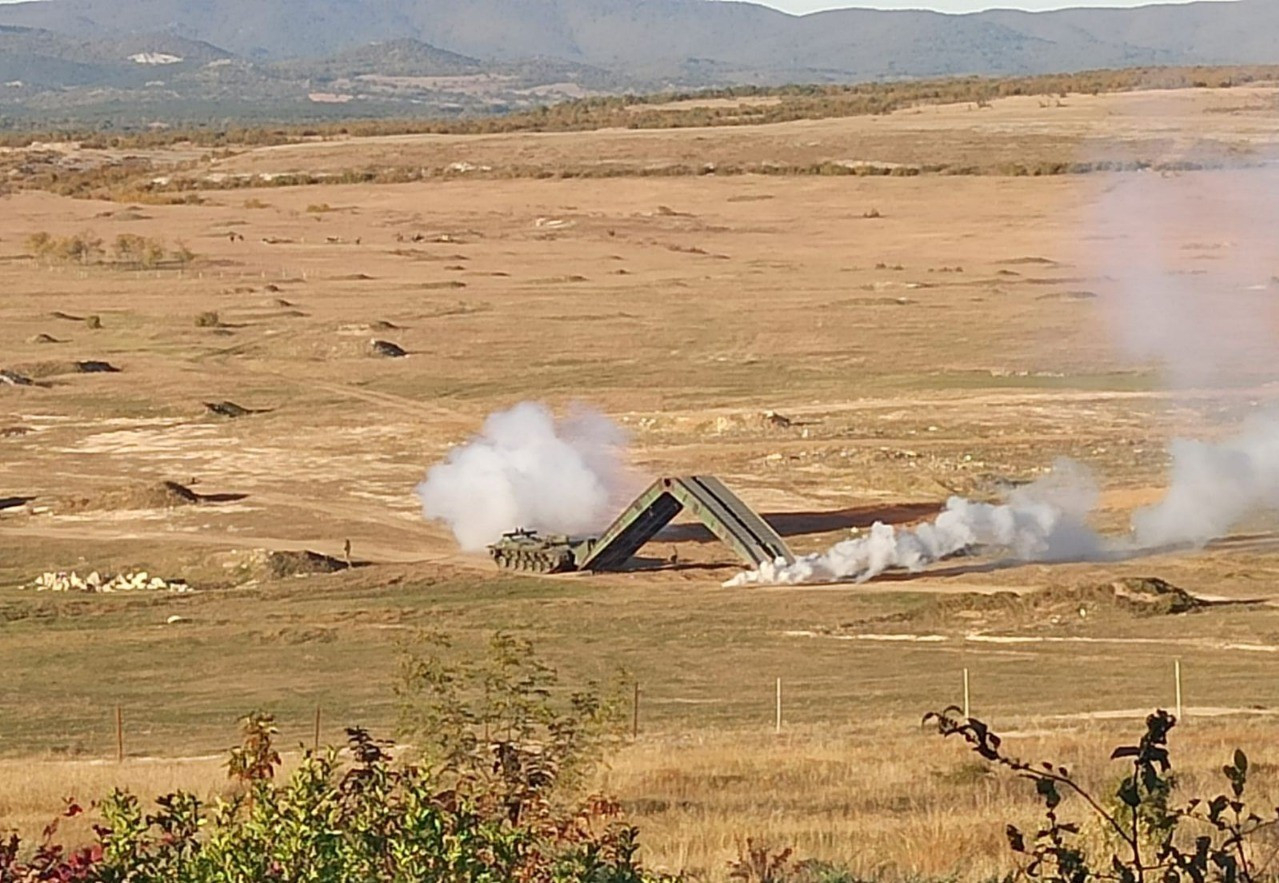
625, 33
530, 51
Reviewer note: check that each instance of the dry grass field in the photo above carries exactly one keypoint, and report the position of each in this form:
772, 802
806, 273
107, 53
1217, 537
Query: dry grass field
925, 335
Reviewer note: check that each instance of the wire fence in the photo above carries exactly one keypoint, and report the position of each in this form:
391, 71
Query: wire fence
966, 690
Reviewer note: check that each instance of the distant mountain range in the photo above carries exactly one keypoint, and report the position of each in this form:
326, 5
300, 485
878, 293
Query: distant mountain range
259, 58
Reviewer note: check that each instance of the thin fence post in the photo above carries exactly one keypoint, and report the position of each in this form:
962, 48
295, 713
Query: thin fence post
317, 729
119, 734
635, 713
1176, 673
967, 698
779, 705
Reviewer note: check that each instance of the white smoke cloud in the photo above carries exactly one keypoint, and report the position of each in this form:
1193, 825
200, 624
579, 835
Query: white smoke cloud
1214, 487
526, 469
1189, 267
1043, 521
1192, 260
1187, 264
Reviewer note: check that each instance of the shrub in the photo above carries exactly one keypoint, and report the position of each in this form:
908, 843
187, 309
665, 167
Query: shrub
208, 319
461, 714
181, 254
38, 243
139, 251
82, 248
372, 821
128, 249
1149, 836
758, 863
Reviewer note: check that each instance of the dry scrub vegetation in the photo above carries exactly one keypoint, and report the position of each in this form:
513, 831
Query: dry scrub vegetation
731, 106
127, 251
170, 167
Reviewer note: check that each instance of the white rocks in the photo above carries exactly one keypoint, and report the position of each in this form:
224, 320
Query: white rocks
96, 583
155, 58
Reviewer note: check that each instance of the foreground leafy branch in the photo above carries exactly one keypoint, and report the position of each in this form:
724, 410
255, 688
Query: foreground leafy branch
1211, 841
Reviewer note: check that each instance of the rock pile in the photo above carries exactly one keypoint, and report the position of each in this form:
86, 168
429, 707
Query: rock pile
95, 367
387, 349
96, 583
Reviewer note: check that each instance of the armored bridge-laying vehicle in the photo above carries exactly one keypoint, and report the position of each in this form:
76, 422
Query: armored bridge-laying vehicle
528, 550
702, 496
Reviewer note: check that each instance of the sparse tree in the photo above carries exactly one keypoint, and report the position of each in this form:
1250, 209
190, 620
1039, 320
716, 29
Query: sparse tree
138, 251
38, 244
182, 254
503, 715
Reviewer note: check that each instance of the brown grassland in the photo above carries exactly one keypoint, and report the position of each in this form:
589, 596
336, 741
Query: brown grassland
926, 334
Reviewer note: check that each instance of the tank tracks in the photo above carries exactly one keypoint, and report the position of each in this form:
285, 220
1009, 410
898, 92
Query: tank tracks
534, 561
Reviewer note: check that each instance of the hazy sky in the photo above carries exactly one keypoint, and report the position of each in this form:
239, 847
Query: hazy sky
951, 5
800, 6
939, 5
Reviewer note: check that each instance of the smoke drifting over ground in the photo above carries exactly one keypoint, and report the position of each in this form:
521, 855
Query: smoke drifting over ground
526, 469
1209, 330
1187, 271
1214, 487
1188, 263
1044, 521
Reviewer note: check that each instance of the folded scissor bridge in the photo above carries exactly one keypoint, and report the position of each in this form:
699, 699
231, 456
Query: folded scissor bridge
702, 496
705, 498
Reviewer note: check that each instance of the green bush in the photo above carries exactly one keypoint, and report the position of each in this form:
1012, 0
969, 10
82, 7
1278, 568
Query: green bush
372, 821
504, 718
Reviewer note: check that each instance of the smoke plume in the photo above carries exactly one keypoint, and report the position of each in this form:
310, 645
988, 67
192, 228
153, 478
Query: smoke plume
1043, 521
1211, 329
1188, 264
1214, 487
1187, 275
526, 469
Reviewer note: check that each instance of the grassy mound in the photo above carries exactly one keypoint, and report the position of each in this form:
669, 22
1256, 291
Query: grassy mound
1052, 606
161, 495
304, 563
